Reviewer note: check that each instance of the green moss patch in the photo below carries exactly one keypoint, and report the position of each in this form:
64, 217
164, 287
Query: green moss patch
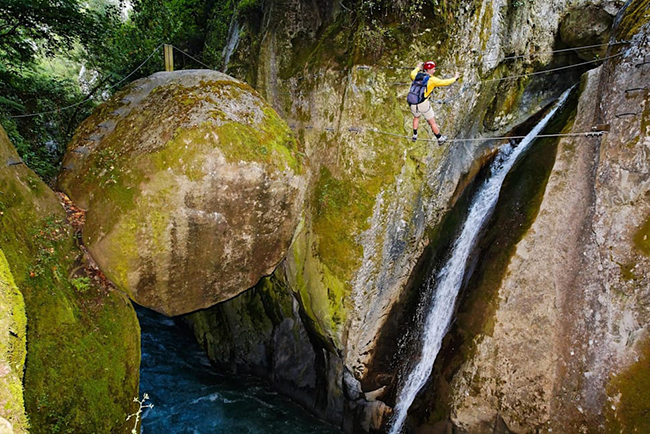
172, 129
13, 325
628, 408
272, 143
340, 210
82, 368
636, 15
642, 238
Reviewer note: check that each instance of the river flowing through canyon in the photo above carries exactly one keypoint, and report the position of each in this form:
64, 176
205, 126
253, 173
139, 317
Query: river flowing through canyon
190, 396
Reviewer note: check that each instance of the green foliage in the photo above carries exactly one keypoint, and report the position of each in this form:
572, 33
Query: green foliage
39, 140
44, 43
30, 27
81, 284
31, 30
249, 7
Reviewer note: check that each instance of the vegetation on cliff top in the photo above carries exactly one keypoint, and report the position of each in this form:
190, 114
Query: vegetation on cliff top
59, 53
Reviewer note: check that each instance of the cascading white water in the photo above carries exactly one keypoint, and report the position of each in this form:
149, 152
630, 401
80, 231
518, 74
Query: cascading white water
450, 277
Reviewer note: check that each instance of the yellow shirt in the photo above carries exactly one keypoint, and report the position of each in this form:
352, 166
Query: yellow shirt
433, 82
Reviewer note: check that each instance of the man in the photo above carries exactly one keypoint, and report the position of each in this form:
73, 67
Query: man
426, 82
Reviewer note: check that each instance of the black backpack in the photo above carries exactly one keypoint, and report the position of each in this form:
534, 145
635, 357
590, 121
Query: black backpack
416, 93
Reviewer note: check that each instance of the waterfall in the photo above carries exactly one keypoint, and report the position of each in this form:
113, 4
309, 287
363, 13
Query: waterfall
450, 277
233, 40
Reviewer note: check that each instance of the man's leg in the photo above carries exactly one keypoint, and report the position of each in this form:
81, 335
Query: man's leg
436, 131
416, 123
434, 126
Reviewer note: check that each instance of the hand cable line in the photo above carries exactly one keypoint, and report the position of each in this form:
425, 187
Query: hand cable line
356, 129
483, 139
583, 47
519, 56
358, 67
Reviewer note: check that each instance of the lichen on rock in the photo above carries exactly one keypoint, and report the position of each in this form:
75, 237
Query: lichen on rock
193, 186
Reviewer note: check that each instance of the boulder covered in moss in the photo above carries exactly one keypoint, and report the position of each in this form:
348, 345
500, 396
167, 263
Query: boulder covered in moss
12, 351
83, 339
193, 186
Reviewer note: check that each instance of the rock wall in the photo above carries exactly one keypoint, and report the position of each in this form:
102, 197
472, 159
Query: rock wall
83, 344
570, 330
272, 342
359, 228
374, 200
12, 353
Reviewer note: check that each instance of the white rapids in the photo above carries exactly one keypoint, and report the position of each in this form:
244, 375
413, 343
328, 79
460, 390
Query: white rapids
450, 277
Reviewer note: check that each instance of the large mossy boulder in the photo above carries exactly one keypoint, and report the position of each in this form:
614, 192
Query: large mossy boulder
83, 339
193, 186
12, 351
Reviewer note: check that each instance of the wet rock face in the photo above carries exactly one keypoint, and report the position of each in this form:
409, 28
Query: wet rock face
193, 187
261, 332
570, 333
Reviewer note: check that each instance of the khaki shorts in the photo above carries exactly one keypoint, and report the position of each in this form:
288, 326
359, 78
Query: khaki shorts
424, 108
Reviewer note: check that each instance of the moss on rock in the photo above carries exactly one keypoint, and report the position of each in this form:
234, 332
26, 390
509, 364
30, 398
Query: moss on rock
634, 18
83, 359
13, 325
627, 409
642, 238
193, 189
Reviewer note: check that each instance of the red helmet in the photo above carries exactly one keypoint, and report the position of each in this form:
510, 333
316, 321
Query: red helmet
429, 64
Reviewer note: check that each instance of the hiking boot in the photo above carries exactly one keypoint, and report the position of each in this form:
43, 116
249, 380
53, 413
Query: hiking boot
414, 138
442, 140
